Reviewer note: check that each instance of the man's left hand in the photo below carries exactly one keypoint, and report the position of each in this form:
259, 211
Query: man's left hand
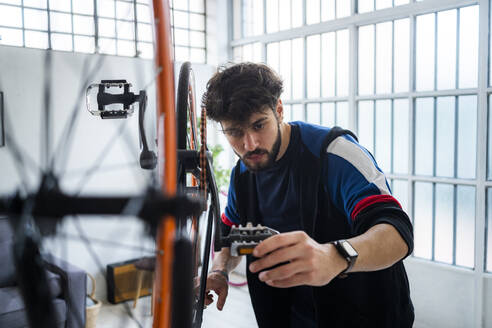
307, 262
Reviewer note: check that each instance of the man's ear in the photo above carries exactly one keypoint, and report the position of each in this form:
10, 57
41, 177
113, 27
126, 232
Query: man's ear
279, 111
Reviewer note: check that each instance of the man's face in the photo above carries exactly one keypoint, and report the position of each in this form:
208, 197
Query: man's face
256, 142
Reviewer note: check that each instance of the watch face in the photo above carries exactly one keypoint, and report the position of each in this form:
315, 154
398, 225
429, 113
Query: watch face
350, 250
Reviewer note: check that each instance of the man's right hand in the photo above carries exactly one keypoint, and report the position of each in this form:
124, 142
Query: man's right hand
218, 283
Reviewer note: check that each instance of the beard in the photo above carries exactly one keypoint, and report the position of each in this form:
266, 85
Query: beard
271, 155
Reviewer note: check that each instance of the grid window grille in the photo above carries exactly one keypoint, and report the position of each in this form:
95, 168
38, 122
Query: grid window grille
115, 27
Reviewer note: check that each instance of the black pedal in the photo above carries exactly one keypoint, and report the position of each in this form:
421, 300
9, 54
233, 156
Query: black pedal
243, 240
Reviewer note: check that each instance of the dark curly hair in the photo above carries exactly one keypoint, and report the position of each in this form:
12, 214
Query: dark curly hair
235, 92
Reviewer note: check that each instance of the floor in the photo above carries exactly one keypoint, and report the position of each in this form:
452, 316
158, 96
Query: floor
237, 312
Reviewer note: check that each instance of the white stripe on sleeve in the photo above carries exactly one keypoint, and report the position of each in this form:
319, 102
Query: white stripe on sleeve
356, 156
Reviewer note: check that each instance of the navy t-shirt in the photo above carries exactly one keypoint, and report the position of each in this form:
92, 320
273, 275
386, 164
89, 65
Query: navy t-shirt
353, 182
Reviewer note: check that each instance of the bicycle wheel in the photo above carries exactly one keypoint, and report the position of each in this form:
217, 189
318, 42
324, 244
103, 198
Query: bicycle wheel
188, 237
69, 188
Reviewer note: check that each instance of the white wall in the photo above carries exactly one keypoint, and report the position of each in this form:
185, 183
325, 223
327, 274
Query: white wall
113, 239
444, 295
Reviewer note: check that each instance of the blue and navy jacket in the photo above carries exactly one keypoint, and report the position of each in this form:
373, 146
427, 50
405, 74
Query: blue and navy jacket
331, 187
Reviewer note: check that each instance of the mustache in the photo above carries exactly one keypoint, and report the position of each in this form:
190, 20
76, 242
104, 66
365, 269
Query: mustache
258, 151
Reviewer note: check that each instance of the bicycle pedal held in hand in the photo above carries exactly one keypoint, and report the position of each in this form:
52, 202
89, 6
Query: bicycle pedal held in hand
244, 239
106, 100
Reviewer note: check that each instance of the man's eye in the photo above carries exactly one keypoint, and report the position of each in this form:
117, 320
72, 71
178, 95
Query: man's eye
258, 126
235, 133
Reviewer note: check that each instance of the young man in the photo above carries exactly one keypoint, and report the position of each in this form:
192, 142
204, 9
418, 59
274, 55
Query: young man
337, 261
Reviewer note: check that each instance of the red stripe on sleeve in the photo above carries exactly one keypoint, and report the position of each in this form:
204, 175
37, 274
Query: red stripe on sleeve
368, 201
226, 220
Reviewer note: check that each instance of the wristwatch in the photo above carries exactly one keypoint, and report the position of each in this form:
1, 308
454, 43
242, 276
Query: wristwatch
346, 250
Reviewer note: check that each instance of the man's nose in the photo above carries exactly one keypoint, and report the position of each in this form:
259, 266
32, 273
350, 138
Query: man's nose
250, 142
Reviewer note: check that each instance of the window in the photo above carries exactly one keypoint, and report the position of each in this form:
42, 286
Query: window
115, 27
409, 87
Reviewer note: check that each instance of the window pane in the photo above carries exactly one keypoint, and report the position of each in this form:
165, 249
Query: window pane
400, 2
83, 7
312, 11
425, 52
35, 3
383, 134
444, 228
400, 136
342, 62
467, 136
297, 70
384, 38
287, 113
197, 22
328, 114
126, 48
198, 5
10, 16
343, 8
61, 42
313, 65
401, 53
297, 112
106, 27
182, 53
146, 50
400, 192
143, 14
237, 18
197, 39
257, 52
313, 114
422, 225
272, 56
365, 6
468, 73
182, 5
61, 22
107, 46
272, 14
342, 114
465, 226
424, 136
62, 5
328, 64
285, 13
181, 19
366, 59
181, 37
445, 136
489, 230
366, 125
248, 52
446, 50
83, 25
10, 37
297, 13
327, 10
381, 4
197, 55
124, 10
145, 32
36, 39
285, 69
105, 8
35, 19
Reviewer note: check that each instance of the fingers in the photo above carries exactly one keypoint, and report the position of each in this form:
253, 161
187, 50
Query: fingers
283, 272
279, 241
222, 299
285, 254
295, 280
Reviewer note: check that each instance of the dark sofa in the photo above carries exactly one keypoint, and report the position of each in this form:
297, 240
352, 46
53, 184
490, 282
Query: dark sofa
67, 284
